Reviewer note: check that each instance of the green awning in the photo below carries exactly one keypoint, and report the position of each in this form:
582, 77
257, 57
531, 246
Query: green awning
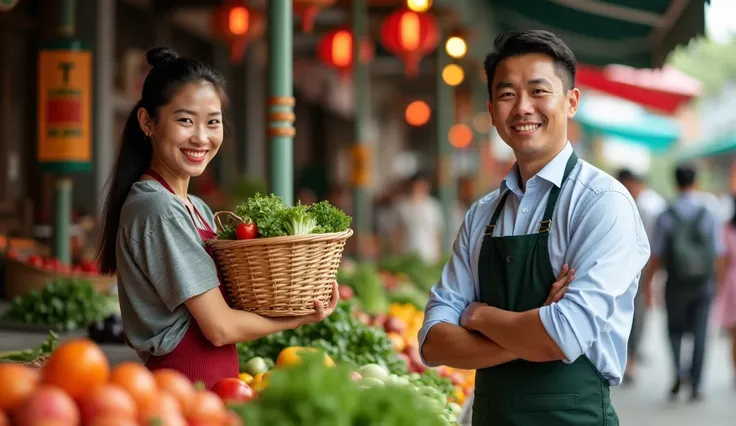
639, 33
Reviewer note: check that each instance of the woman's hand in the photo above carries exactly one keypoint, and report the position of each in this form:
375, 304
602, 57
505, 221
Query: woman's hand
322, 311
567, 275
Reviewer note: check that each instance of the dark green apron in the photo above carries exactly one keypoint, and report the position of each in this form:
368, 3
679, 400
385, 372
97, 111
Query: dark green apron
515, 274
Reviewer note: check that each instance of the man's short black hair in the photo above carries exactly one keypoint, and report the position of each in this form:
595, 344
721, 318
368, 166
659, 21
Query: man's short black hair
515, 43
627, 175
685, 175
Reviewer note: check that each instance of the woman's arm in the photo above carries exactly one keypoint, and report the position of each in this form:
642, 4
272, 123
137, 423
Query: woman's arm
222, 325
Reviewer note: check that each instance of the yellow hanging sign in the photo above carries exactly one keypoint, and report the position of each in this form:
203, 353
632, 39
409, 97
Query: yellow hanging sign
64, 108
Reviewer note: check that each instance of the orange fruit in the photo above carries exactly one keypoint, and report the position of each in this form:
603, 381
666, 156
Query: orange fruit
177, 385
17, 382
77, 366
207, 405
108, 400
48, 405
164, 409
137, 380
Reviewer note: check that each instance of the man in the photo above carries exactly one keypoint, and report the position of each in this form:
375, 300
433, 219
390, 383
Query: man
650, 205
687, 242
418, 221
538, 363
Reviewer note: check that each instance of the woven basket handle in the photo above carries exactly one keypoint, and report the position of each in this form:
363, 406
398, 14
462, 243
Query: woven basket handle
230, 215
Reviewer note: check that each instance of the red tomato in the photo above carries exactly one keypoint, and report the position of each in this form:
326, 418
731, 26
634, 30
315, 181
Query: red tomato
246, 231
233, 390
35, 260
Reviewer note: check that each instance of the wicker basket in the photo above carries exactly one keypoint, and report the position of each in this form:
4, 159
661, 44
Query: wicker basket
21, 277
278, 276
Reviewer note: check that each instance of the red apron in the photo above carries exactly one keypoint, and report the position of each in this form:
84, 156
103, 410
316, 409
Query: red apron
195, 356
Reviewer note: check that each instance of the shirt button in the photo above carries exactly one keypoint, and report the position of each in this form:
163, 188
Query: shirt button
509, 259
524, 210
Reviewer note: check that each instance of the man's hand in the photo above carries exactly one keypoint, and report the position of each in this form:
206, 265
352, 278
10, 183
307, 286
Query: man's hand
559, 287
470, 315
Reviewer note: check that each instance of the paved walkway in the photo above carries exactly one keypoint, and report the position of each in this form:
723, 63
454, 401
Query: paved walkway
645, 403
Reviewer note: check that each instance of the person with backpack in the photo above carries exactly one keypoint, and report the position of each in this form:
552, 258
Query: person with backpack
687, 244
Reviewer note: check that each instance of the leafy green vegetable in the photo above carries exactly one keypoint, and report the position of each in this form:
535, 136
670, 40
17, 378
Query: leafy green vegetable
329, 218
26, 355
341, 335
312, 394
68, 304
273, 218
267, 211
298, 221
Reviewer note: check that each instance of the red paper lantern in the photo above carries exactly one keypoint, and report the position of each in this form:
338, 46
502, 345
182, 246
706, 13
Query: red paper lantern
410, 35
308, 11
336, 50
237, 24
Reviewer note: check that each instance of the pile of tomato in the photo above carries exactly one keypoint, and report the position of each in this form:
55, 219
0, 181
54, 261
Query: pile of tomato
77, 386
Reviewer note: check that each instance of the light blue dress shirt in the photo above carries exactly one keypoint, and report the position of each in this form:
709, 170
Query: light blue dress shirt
596, 229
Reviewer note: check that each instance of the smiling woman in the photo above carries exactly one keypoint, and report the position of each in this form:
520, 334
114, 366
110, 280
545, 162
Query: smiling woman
175, 312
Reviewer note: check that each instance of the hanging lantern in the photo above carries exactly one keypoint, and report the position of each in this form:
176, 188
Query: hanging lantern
308, 11
336, 50
237, 24
410, 35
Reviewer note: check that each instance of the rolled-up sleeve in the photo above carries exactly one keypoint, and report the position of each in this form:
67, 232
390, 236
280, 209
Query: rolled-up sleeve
608, 249
456, 287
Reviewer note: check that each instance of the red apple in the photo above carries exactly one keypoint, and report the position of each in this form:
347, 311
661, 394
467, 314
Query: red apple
394, 325
346, 293
233, 390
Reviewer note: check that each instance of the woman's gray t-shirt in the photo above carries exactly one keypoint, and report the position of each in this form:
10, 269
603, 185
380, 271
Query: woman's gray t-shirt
162, 262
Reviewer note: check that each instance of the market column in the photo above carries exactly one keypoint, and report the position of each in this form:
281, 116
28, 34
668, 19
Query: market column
361, 154
64, 120
445, 168
281, 99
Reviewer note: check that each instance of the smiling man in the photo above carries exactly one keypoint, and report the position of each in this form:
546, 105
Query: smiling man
539, 363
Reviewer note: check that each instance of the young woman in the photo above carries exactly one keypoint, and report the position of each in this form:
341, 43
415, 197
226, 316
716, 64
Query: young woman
726, 297
174, 310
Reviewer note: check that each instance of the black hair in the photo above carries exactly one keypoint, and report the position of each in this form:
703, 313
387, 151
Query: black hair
685, 176
168, 74
733, 217
627, 175
516, 43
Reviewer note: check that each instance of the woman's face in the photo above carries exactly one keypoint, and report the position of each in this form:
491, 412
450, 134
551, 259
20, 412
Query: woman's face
188, 132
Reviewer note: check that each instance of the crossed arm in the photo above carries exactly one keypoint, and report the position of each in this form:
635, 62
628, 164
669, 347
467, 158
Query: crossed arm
607, 250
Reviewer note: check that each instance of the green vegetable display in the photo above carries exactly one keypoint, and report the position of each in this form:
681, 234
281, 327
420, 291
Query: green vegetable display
273, 218
67, 304
342, 336
315, 395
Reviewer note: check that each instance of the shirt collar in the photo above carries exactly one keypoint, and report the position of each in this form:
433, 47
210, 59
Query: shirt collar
552, 172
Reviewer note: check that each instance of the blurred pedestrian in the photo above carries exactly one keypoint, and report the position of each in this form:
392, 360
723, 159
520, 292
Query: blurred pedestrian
650, 205
688, 244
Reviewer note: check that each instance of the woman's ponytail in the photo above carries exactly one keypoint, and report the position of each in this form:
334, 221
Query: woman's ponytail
134, 158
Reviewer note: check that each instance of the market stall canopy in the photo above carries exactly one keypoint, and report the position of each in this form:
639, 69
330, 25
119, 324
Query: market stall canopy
627, 121
663, 89
639, 33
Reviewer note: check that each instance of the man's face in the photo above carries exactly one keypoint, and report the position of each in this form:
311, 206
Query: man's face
530, 105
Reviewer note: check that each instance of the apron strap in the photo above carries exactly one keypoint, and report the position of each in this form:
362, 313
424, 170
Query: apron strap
554, 193
496, 214
154, 174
